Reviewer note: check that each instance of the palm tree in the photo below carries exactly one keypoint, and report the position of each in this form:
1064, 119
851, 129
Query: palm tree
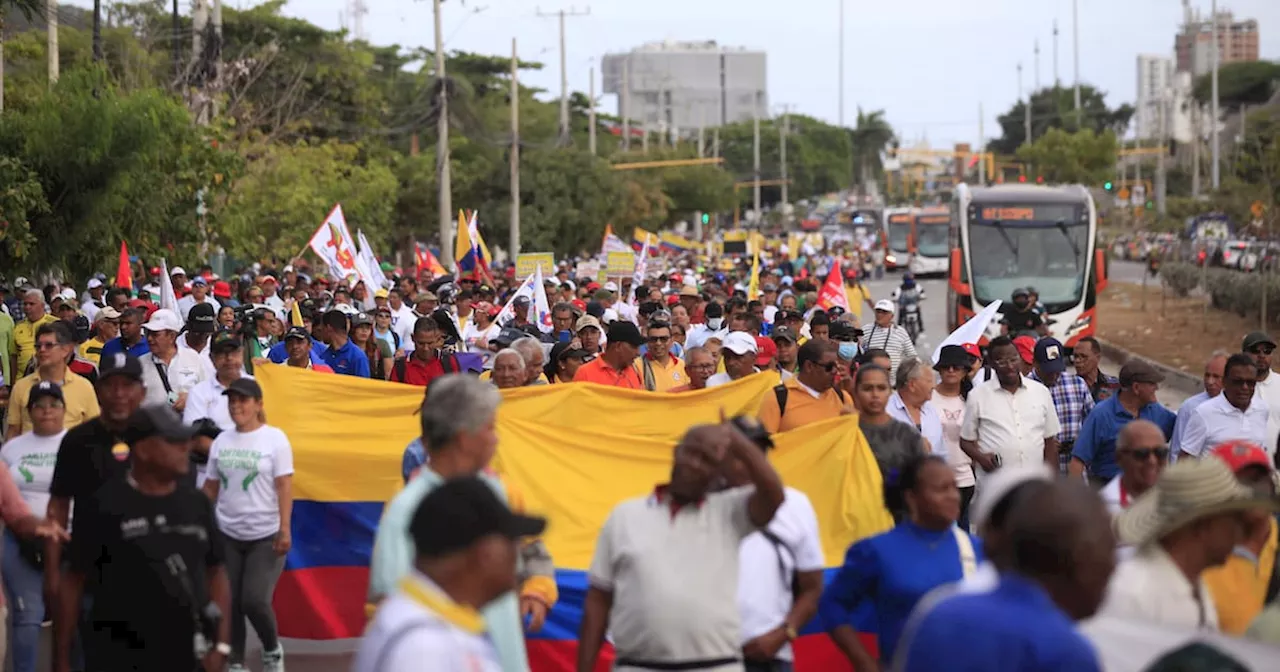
871, 134
28, 9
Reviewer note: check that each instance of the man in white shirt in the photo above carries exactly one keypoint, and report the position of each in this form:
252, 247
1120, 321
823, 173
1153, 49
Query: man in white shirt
1214, 370
433, 620
779, 576
402, 319
198, 333
739, 353
1261, 346
1010, 420
1190, 521
168, 372
1236, 414
95, 303
199, 294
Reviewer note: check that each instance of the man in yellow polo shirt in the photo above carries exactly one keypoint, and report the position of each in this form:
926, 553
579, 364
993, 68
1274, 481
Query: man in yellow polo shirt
809, 396
54, 344
1239, 586
23, 346
658, 368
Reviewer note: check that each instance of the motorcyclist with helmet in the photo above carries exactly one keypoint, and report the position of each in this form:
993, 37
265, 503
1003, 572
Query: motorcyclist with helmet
1021, 317
908, 297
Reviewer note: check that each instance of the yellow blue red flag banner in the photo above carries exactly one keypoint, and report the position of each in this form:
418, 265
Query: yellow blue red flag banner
640, 238
572, 468
469, 251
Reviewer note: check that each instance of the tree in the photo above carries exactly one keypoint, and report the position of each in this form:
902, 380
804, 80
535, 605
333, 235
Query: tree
871, 135
1245, 83
1054, 107
27, 8
818, 156
1083, 157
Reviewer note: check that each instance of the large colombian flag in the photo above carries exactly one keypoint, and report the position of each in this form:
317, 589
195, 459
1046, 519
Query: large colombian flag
574, 451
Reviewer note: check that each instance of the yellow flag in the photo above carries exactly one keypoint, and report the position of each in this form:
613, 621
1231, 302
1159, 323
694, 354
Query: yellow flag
295, 318
753, 288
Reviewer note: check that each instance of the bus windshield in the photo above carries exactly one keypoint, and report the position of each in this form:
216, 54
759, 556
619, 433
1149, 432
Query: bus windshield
1050, 256
898, 234
932, 240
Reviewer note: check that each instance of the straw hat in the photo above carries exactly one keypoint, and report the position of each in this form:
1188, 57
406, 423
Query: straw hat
1188, 490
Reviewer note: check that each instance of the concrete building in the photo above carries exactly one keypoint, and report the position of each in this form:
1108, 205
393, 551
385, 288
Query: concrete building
1159, 85
687, 85
1237, 42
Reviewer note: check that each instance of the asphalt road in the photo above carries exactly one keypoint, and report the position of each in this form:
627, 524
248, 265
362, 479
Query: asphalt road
337, 656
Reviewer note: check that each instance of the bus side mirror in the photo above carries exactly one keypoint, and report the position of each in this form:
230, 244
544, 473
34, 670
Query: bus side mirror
957, 286
1099, 271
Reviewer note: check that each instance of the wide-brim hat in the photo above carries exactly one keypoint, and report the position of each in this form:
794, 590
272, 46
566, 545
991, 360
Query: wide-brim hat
1187, 491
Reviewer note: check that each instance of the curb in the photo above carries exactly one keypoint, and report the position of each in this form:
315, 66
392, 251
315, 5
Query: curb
1175, 378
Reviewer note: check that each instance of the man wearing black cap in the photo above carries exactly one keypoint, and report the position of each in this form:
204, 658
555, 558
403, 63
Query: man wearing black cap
151, 546
297, 343
1071, 396
614, 367
466, 543
198, 332
1260, 346
1096, 446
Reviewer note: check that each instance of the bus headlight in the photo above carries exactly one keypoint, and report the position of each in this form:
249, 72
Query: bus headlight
1081, 322
891, 259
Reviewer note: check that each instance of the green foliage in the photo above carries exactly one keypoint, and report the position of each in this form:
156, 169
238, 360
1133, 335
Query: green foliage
1083, 157
1248, 83
112, 165
1228, 290
288, 190
21, 200
818, 156
1179, 277
1054, 107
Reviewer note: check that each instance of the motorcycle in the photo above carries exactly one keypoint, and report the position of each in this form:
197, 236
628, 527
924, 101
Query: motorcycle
911, 318
1153, 266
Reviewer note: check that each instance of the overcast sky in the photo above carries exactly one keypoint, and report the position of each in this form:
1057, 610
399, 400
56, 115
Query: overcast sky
927, 63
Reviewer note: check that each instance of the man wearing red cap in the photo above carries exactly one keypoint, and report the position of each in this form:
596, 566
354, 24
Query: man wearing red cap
766, 353
1026, 346
1239, 587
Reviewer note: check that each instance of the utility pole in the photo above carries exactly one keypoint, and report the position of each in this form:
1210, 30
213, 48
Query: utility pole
442, 147
97, 31
1196, 139
1214, 171
1075, 58
1161, 177
1026, 109
1056, 82
625, 104
783, 130
982, 149
755, 162
51, 18
715, 142
215, 58
177, 45
515, 151
1036, 50
591, 115
644, 138
840, 75
199, 23
566, 137
702, 134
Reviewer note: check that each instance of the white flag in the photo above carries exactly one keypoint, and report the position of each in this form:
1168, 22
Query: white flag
369, 264
539, 309
641, 269
168, 298
332, 242
971, 331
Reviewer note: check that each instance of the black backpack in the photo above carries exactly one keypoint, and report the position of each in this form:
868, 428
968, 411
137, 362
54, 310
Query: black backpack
780, 391
449, 363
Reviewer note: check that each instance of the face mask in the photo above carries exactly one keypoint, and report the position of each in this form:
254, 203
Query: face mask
848, 351
713, 323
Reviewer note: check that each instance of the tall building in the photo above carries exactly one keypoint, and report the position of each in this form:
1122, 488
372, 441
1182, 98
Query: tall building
687, 85
1237, 42
1159, 85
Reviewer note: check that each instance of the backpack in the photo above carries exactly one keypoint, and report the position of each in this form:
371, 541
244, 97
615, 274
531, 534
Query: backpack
792, 582
449, 364
780, 391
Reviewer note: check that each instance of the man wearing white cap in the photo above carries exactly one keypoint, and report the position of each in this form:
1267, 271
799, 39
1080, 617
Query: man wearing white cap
95, 303
739, 353
199, 294
885, 334
168, 372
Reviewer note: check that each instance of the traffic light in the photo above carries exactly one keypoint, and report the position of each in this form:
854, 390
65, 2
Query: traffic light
706, 217
1150, 205
1022, 179
1039, 179
1108, 185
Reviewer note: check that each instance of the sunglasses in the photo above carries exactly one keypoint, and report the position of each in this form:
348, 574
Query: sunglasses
659, 339
1262, 350
48, 346
1143, 454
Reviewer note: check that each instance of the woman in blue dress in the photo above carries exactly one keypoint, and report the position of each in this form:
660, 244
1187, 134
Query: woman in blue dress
894, 570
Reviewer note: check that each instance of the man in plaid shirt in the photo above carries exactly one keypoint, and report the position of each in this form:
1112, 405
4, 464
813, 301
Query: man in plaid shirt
1071, 396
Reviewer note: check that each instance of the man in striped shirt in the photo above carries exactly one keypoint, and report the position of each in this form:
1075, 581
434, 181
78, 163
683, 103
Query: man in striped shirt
885, 334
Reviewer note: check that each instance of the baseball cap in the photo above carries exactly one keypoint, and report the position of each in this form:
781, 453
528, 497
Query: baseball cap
119, 364
611, 286
360, 319
1021, 291
841, 330
689, 290
586, 321
766, 350
784, 333
157, 420
199, 280
1001, 483
297, 332
226, 341
177, 270
520, 301
886, 305
786, 316
1255, 339
1241, 454
201, 319
462, 511
1049, 355
740, 343
67, 294
509, 335
42, 390
95, 283
1139, 371
621, 331
1026, 348
163, 320
245, 387
381, 293
222, 289
108, 313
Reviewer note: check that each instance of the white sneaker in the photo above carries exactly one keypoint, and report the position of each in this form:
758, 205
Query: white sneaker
273, 661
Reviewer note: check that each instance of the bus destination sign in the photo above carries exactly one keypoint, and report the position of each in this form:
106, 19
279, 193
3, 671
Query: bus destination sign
1048, 212
1019, 214
900, 219
933, 219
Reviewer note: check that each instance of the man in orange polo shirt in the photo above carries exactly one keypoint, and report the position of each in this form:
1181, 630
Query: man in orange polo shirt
811, 395
614, 367
660, 371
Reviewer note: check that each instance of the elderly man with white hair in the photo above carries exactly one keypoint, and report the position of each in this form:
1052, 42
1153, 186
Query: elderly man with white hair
911, 402
22, 349
458, 432
508, 369
531, 351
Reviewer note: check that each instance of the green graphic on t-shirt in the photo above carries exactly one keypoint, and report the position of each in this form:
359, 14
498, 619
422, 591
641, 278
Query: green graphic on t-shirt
249, 479
26, 474
30, 461
239, 459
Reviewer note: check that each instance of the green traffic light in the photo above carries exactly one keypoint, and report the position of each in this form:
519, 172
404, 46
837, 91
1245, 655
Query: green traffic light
706, 218
1107, 186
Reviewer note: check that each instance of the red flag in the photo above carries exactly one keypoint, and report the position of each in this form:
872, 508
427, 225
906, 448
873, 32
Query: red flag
124, 270
832, 293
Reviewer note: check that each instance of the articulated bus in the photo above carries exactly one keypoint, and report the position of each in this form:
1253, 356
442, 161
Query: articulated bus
897, 237
930, 241
1010, 236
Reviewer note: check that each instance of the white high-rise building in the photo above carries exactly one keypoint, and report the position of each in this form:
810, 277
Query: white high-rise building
1155, 85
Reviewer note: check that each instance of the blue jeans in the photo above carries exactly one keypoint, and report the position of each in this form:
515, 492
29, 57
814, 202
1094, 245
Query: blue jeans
24, 592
